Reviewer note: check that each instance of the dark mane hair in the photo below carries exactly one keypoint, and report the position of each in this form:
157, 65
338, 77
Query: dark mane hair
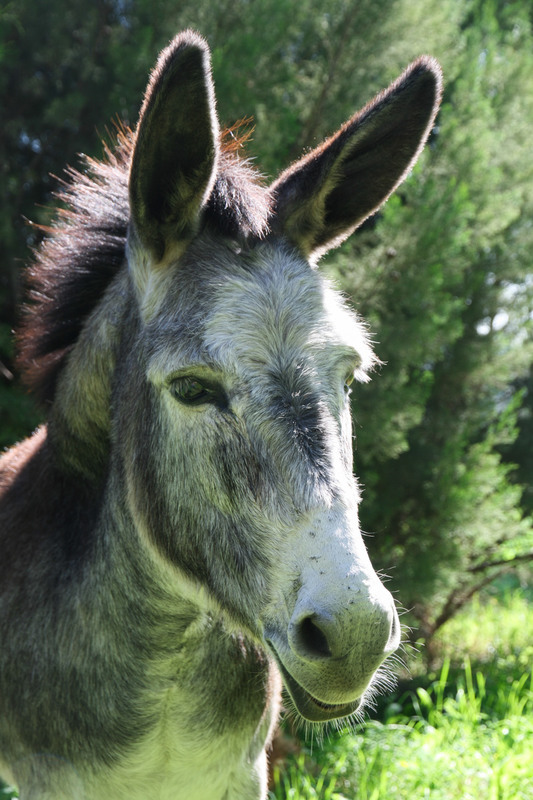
85, 247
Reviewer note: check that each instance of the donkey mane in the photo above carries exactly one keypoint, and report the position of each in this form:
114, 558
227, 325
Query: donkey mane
85, 247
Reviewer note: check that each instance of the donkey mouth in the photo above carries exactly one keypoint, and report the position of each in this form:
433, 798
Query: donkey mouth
309, 707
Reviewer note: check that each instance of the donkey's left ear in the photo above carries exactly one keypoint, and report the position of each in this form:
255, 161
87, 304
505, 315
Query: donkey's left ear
321, 199
174, 159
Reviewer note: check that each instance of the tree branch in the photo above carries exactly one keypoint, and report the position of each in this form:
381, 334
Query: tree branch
455, 602
501, 562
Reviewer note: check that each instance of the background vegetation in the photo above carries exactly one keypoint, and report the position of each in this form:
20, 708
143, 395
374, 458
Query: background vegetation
443, 276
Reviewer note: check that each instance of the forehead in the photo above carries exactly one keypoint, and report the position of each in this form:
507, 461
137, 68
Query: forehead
238, 309
281, 309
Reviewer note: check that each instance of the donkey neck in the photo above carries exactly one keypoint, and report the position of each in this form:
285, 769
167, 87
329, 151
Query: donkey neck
201, 679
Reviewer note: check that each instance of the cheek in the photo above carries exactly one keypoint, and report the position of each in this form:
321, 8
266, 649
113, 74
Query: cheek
233, 476
202, 484
198, 462
218, 528
213, 465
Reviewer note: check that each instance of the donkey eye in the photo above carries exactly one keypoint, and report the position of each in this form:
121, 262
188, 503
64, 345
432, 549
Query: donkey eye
191, 391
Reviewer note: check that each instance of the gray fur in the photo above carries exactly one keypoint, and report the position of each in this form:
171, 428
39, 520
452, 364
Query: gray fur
166, 563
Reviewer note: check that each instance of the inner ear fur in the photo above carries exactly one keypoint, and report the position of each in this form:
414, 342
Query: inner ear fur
175, 155
322, 198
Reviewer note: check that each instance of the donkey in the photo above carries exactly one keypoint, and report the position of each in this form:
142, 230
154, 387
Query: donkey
181, 538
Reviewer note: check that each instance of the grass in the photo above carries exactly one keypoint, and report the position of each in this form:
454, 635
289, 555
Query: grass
465, 745
464, 733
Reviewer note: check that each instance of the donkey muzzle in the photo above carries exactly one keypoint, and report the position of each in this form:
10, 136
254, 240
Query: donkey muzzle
329, 654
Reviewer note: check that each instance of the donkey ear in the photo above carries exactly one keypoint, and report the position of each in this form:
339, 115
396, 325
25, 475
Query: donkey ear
174, 159
321, 199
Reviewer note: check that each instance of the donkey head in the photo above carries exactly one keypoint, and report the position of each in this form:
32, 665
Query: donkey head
237, 449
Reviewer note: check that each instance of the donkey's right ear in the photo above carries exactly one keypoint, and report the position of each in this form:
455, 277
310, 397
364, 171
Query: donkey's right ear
175, 153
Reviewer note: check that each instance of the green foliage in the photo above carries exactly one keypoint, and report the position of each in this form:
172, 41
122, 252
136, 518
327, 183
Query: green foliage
519, 452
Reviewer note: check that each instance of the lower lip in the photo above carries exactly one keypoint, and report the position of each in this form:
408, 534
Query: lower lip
308, 706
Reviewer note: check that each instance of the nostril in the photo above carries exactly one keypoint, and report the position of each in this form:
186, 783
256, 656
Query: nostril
311, 640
